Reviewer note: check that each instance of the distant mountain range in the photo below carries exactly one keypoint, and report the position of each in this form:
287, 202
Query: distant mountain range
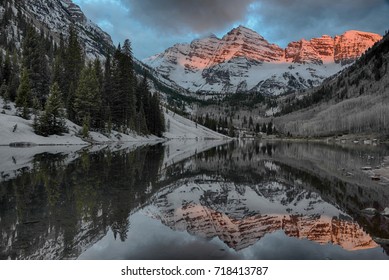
243, 61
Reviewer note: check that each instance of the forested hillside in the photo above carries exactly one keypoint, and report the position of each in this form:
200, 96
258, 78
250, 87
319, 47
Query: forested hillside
50, 80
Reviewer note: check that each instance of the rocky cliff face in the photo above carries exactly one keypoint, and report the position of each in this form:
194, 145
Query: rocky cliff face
350, 45
342, 49
244, 61
55, 16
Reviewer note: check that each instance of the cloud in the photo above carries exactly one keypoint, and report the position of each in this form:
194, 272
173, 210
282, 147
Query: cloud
284, 20
154, 25
181, 16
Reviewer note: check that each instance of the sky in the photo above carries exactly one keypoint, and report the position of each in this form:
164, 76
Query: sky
154, 25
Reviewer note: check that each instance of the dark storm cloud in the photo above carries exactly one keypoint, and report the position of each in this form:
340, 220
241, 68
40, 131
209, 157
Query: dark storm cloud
284, 20
197, 16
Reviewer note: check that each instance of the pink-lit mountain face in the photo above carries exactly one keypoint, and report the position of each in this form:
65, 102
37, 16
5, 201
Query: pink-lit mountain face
344, 49
244, 61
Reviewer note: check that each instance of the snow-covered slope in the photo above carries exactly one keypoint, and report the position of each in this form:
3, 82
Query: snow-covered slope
178, 127
244, 61
14, 129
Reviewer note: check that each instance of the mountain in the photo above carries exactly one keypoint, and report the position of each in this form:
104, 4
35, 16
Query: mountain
353, 102
55, 17
243, 61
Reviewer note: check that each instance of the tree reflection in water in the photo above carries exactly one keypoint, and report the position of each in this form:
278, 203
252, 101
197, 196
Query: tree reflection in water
57, 206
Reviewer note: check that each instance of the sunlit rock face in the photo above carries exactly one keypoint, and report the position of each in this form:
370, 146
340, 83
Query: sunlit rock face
243, 61
241, 215
352, 44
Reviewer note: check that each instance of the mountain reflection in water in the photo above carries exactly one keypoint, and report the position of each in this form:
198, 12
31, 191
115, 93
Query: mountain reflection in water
194, 200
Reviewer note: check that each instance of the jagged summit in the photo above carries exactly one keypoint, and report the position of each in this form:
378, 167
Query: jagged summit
243, 60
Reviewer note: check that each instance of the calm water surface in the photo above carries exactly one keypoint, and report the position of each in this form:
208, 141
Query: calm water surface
194, 200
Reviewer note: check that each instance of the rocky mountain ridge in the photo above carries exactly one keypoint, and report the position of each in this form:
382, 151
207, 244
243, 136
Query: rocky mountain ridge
54, 17
243, 61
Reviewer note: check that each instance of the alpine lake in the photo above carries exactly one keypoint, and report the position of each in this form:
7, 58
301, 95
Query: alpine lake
195, 200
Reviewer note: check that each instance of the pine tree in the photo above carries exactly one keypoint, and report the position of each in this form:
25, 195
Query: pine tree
270, 128
141, 122
231, 130
157, 119
14, 81
23, 98
251, 123
34, 60
106, 94
123, 105
143, 106
257, 128
6, 71
73, 65
5, 94
59, 66
264, 128
52, 120
3, 89
99, 118
87, 99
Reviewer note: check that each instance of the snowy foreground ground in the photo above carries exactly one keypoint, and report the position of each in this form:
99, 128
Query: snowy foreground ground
14, 129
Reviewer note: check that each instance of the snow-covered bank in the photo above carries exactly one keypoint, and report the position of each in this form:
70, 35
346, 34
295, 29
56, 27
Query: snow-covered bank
14, 129
178, 127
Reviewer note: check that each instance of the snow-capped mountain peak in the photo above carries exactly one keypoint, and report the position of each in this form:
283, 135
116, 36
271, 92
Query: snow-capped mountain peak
243, 60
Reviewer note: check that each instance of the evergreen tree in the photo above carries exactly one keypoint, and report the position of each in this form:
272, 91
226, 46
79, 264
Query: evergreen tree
106, 94
251, 123
141, 122
231, 130
264, 128
257, 128
5, 94
244, 121
99, 120
6, 71
87, 98
52, 120
59, 66
157, 119
13, 83
23, 98
270, 128
73, 65
143, 106
35, 61
123, 106
3, 89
